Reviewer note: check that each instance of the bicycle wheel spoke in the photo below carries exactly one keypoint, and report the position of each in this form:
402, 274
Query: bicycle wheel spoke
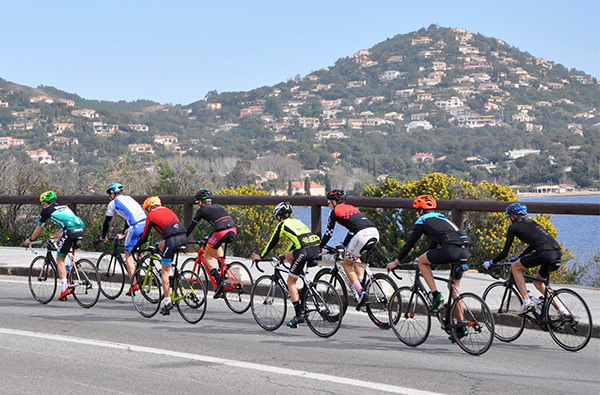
147, 299
86, 281
572, 330
503, 303
407, 313
238, 286
268, 303
112, 275
379, 293
42, 280
322, 309
193, 305
472, 325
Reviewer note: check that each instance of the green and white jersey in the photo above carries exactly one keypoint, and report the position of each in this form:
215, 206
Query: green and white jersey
62, 216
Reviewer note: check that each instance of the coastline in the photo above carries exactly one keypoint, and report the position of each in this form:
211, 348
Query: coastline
550, 194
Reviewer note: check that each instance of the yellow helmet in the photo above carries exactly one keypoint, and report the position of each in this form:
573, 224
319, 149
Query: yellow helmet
152, 201
47, 196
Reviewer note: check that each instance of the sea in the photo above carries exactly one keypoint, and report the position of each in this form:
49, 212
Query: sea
580, 233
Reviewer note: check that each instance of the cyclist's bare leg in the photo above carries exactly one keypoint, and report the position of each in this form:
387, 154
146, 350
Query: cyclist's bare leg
349, 270
360, 272
60, 265
209, 257
165, 280
459, 312
540, 286
130, 263
423, 263
517, 271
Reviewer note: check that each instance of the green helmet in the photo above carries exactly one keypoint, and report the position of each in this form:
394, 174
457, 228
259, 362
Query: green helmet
47, 196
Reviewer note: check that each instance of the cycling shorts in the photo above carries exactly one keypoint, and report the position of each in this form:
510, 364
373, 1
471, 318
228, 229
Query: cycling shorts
69, 236
220, 237
171, 245
358, 242
133, 235
448, 254
547, 260
302, 256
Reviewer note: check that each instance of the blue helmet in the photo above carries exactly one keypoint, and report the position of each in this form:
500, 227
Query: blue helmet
114, 188
516, 209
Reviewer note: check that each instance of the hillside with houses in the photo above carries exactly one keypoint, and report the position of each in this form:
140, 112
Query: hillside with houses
439, 99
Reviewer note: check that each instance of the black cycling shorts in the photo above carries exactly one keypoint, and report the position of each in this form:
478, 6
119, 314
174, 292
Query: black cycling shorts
67, 239
448, 254
171, 245
547, 260
302, 256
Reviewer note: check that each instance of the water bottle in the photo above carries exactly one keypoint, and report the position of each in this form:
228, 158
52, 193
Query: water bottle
171, 274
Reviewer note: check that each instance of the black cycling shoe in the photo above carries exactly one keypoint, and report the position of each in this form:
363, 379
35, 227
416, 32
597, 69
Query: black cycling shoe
166, 310
219, 291
295, 321
361, 301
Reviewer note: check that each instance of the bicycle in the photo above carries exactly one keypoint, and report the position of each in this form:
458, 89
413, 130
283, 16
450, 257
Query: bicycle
571, 331
113, 270
465, 317
379, 287
82, 276
321, 304
188, 293
237, 278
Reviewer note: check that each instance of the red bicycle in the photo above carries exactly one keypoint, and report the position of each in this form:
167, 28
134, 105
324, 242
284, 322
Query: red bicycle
237, 278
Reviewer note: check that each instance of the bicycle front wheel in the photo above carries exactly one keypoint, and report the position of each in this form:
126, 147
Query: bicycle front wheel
407, 312
571, 331
193, 305
86, 281
147, 299
472, 325
42, 279
268, 303
322, 308
337, 283
238, 285
379, 292
112, 275
503, 302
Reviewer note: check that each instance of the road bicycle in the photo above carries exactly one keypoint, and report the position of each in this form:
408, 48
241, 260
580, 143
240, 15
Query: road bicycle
237, 278
82, 276
379, 286
465, 317
321, 304
188, 293
113, 269
571, 331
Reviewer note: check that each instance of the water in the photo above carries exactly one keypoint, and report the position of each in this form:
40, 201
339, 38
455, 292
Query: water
580, 233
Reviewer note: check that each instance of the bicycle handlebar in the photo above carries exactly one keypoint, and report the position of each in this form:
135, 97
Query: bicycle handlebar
49, 243
488, 271
279, 261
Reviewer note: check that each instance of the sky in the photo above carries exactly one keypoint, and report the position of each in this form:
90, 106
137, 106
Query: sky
177, 51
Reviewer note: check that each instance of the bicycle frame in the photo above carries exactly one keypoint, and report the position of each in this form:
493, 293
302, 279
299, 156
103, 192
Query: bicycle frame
338, 268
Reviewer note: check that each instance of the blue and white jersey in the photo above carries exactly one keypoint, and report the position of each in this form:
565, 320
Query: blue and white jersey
128, 208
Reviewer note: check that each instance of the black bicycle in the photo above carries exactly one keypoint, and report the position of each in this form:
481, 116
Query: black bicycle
465, 317
113, 270
571, 330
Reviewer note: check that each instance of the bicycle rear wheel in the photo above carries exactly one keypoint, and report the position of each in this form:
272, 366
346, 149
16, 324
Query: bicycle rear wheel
193, 306
147, 299
407, 312
268, 302
379, 293
112, 275
42, 279
238, 285
472, 325
322, 308
503, 303
574, 330
337, 283
86, 281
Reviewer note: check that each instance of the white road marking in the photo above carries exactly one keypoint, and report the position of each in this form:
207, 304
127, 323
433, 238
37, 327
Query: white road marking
220, 361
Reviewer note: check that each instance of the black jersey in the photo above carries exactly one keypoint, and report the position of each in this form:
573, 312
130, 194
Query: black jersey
530, 233
213, 214
350, 218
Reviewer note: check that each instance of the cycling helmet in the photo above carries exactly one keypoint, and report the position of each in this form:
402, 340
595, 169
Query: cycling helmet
426, 202
283, 209
203, 194
336, 194
516, 209
152, 201
114, 188
47, 196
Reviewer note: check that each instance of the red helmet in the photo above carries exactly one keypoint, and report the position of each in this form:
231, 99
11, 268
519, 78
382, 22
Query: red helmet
426, 202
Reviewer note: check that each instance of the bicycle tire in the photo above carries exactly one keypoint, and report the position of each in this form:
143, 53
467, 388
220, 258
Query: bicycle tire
112, 275
407, 311
87, 283
147, 299
238, 286
503, 303
190, 264
337, 282
193, 306
478, 321
322, 308
379, 292
268, 303
574, 332
42, 279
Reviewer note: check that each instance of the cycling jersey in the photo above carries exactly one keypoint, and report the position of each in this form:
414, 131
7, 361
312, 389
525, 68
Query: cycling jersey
439, 229
295, 230
126, 207
530, 233
213, 214
62, 216
164, 221
350, 218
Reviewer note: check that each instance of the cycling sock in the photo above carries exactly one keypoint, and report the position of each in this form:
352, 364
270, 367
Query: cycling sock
64, 284
216, 275
297, 308
358, 286
167, 301
360, 279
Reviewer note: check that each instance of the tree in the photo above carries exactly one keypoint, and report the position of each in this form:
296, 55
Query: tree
307, 186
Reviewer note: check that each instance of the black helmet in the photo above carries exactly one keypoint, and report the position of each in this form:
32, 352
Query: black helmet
203, 194
114, 188
336, 194
283, 209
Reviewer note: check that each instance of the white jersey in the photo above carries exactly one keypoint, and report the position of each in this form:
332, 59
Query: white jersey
128, 208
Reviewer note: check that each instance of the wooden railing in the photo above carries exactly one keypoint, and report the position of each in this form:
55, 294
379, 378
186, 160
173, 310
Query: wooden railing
316, 202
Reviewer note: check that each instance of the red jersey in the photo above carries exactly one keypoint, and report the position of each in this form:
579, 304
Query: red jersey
164, 221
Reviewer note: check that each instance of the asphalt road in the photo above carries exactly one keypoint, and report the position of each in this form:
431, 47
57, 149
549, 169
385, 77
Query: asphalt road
61, 348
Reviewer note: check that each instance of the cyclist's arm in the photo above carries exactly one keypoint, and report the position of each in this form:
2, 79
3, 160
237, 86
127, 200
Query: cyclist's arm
347, 239
105, 226
415, 235
274, 239
197, 218
504, 253
329, 229
35, 234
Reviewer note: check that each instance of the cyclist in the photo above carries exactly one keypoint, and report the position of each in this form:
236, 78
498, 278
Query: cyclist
168, 226
135, 218
72, 229
224, 231
448, 244
360, 231
542, 250
302, 249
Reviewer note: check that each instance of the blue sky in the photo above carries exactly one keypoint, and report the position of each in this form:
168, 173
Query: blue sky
177, 51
